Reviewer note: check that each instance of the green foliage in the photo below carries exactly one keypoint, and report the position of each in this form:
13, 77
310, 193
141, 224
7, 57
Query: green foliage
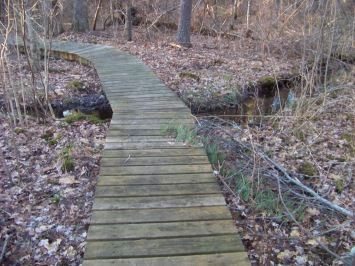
308, 169
68, 160
299, 134
215, 157
74, 117
189, 75
50, 139
54, 141
267, 200
56, 71
332, 95
77, 86
183, 133
267, 82
243, 186
93, 118
47, 135
19, 130
56, 198
339, 185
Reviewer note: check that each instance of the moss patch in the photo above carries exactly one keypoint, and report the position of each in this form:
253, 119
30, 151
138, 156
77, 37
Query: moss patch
76, 116
76, 86
189, 75
308, 169
19, 130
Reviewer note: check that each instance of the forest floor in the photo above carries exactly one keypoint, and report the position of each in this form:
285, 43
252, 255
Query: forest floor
45, 210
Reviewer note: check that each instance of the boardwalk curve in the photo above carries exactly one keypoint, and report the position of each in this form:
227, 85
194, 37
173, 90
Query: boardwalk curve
156, 201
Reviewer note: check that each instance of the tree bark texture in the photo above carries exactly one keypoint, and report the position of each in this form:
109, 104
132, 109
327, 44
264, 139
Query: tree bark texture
2, 10
128, 22
80, 22
31, 37
183, 34
47, 17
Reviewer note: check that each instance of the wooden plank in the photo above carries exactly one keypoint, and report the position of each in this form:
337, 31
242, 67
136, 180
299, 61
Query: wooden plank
156, 190
155, 170
146, 145
136, 139
126, 127
136, 132
130, 109
163, 247
178, 160
138, 121
222, 259
161, 230
153, 153
158, 202
144, 216
198, 178
146, 115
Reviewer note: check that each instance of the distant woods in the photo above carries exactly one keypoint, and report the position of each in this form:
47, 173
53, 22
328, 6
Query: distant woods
258, 20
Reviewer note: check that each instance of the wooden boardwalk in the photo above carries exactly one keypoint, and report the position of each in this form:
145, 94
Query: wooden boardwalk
157, 201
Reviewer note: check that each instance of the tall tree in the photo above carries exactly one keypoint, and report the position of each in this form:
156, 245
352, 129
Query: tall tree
128, 21
2, 10
183, 34
80, 22
47, 16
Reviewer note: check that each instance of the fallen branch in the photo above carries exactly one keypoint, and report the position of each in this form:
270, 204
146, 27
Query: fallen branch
6, 242
289, 179
162, 14
307, 232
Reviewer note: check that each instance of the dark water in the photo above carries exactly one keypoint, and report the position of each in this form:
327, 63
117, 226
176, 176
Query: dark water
254, 109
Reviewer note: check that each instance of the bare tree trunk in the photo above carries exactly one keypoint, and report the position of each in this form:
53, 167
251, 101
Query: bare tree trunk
47, 17
234, 9
248, 13
80, 22
58, 17
2, 10
31, 37
128, 22
183, 34
96, 15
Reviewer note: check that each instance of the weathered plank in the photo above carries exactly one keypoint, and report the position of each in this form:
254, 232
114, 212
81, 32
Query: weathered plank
223, 259
161, 230
196, 178
163, 247
144, 216
144, 161
147, 145
157, 202
159, 169
156, 190
153, 153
